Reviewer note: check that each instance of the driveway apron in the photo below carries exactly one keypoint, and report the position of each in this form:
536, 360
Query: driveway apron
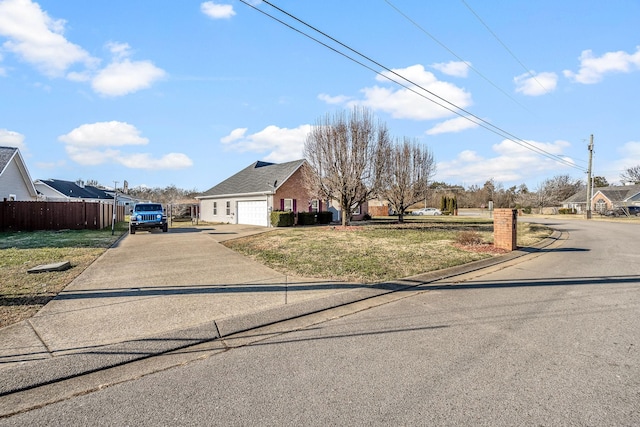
154, 282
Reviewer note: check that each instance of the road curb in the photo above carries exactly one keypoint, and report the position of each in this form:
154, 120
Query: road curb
36, 373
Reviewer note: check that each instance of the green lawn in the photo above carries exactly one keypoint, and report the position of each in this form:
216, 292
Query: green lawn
23, 294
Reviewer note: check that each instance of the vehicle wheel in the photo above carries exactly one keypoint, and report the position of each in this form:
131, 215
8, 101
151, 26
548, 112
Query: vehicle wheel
132, 230
165, 228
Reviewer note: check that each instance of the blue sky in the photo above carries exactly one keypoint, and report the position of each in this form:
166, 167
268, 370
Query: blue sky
190, 92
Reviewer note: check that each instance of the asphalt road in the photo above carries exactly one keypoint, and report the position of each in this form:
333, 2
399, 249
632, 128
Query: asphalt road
551, 340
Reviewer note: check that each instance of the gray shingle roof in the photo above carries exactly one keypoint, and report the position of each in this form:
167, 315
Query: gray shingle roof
619, 193
71, 189
259, 177
615, 193
6, 153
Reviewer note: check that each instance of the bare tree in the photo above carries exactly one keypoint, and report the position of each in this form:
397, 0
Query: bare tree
631, 174
407, 168
343, 155
554, 190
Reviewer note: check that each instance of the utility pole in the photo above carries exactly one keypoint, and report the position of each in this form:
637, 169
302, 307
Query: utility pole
115, 206
589, 177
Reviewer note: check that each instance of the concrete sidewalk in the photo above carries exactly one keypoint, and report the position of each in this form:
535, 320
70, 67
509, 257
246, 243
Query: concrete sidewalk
156, 292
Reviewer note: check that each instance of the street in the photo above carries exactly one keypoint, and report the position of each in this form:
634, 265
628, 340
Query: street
549, 339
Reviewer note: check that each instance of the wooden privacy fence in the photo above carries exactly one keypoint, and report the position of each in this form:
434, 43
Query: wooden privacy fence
32, 216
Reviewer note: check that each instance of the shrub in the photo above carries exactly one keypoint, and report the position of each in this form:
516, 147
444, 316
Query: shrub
282, 219
468, 238
306, 218
324, 217
566, 211
366, 217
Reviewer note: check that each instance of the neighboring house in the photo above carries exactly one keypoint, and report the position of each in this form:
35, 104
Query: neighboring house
605, 198
15, 182
57, 190
250, 196
577, 202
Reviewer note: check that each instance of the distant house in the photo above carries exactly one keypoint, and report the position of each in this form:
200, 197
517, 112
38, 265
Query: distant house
605, 198
58, 190
15, 182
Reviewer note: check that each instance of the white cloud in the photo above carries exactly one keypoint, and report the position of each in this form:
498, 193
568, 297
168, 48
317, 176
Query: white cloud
453, 68
631, 150
536, 85
593, 69
453, 126
93, 144
340, 99
123, 76
217, 11
9, 138
38, 39
281, 144
405, 104
104, 134
146, 161
512, 163
235, 135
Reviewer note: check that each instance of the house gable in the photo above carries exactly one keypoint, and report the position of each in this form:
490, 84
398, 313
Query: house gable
15, 181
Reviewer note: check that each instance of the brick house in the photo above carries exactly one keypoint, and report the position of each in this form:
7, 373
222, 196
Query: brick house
605, 198
249, 196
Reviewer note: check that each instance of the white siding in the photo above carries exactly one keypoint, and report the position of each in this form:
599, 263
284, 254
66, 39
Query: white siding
206, 208
12, 182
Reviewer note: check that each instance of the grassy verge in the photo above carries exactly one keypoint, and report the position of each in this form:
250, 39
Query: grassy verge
23, 294
377, 252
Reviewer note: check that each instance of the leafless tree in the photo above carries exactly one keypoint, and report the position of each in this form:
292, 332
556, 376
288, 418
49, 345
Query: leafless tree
343, 152
407, 169
631, 174
554, 190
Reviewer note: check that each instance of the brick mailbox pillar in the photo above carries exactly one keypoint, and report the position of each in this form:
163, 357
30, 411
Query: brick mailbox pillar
505, 225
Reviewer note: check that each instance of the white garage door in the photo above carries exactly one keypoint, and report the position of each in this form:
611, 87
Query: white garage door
253, 212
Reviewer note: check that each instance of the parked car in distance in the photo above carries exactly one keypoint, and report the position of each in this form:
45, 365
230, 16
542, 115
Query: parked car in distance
624, 211
427, 211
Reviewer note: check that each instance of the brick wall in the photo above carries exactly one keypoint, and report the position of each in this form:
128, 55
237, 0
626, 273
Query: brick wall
294, 188
505, 225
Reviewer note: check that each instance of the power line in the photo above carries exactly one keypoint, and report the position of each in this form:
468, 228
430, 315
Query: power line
468, 64
505, 46
454, 108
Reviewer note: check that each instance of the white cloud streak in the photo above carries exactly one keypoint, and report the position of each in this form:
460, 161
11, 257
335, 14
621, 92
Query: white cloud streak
280, 144
458, 124
37, 39
406, 104
217, 11
512, 163
9, 138
453, 68
536, 85
593, 68
93, 144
